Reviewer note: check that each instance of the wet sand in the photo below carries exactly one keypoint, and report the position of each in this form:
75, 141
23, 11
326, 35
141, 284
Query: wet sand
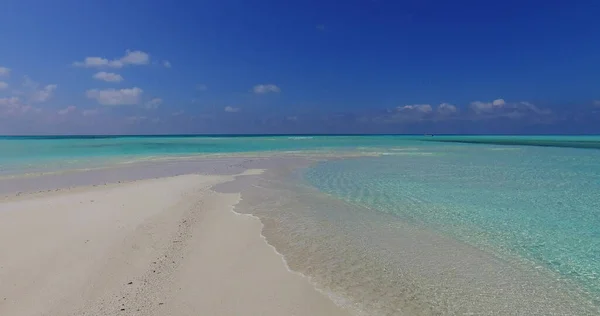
171, 238
166, 246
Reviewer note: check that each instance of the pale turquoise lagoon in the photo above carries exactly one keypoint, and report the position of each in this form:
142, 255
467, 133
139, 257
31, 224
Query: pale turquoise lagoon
535, 206
530, 202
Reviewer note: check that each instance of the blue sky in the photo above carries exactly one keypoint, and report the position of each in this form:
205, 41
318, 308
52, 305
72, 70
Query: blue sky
365, 66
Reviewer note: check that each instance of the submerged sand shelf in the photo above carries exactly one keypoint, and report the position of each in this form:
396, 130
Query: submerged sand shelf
172, 238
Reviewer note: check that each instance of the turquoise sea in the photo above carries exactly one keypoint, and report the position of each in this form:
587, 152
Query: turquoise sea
532, 203
536, 207
32, 154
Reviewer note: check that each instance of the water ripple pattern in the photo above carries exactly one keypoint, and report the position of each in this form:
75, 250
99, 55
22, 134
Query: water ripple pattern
537, 205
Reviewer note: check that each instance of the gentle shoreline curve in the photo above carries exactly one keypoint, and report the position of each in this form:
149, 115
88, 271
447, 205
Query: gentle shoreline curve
340, 302
165, 246
319, 248
378, 265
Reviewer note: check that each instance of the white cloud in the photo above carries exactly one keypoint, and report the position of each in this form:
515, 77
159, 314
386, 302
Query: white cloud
482, 107
5, 102
44, 94
498, 102
3, 85
178, 113
154, 103
167, 64
92, 62
4, 72
231, 109
419, 112
292, 118
422, 108
596, 102
321, 27
527, 106
14, 106
266, 88
477, 110
513, 110
113, 97
67, 110
90, 112
108, 76
479, 106
135, 58
131, 58
201, 87
446, 108
31, 90
411, 112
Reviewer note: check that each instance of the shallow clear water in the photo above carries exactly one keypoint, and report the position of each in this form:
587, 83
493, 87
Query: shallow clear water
539, 206
29, 154
486, 225
37, 154
376, 262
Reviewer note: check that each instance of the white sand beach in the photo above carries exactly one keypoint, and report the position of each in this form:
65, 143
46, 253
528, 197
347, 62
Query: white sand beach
166, 246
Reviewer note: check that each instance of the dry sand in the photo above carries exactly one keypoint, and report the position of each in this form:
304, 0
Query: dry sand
168, 246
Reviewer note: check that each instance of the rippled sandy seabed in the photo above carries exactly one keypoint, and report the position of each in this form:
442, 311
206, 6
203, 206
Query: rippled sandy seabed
381, 263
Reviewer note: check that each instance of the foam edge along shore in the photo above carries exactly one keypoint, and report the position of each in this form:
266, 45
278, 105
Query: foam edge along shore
144, 247
337, 299
371, 261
